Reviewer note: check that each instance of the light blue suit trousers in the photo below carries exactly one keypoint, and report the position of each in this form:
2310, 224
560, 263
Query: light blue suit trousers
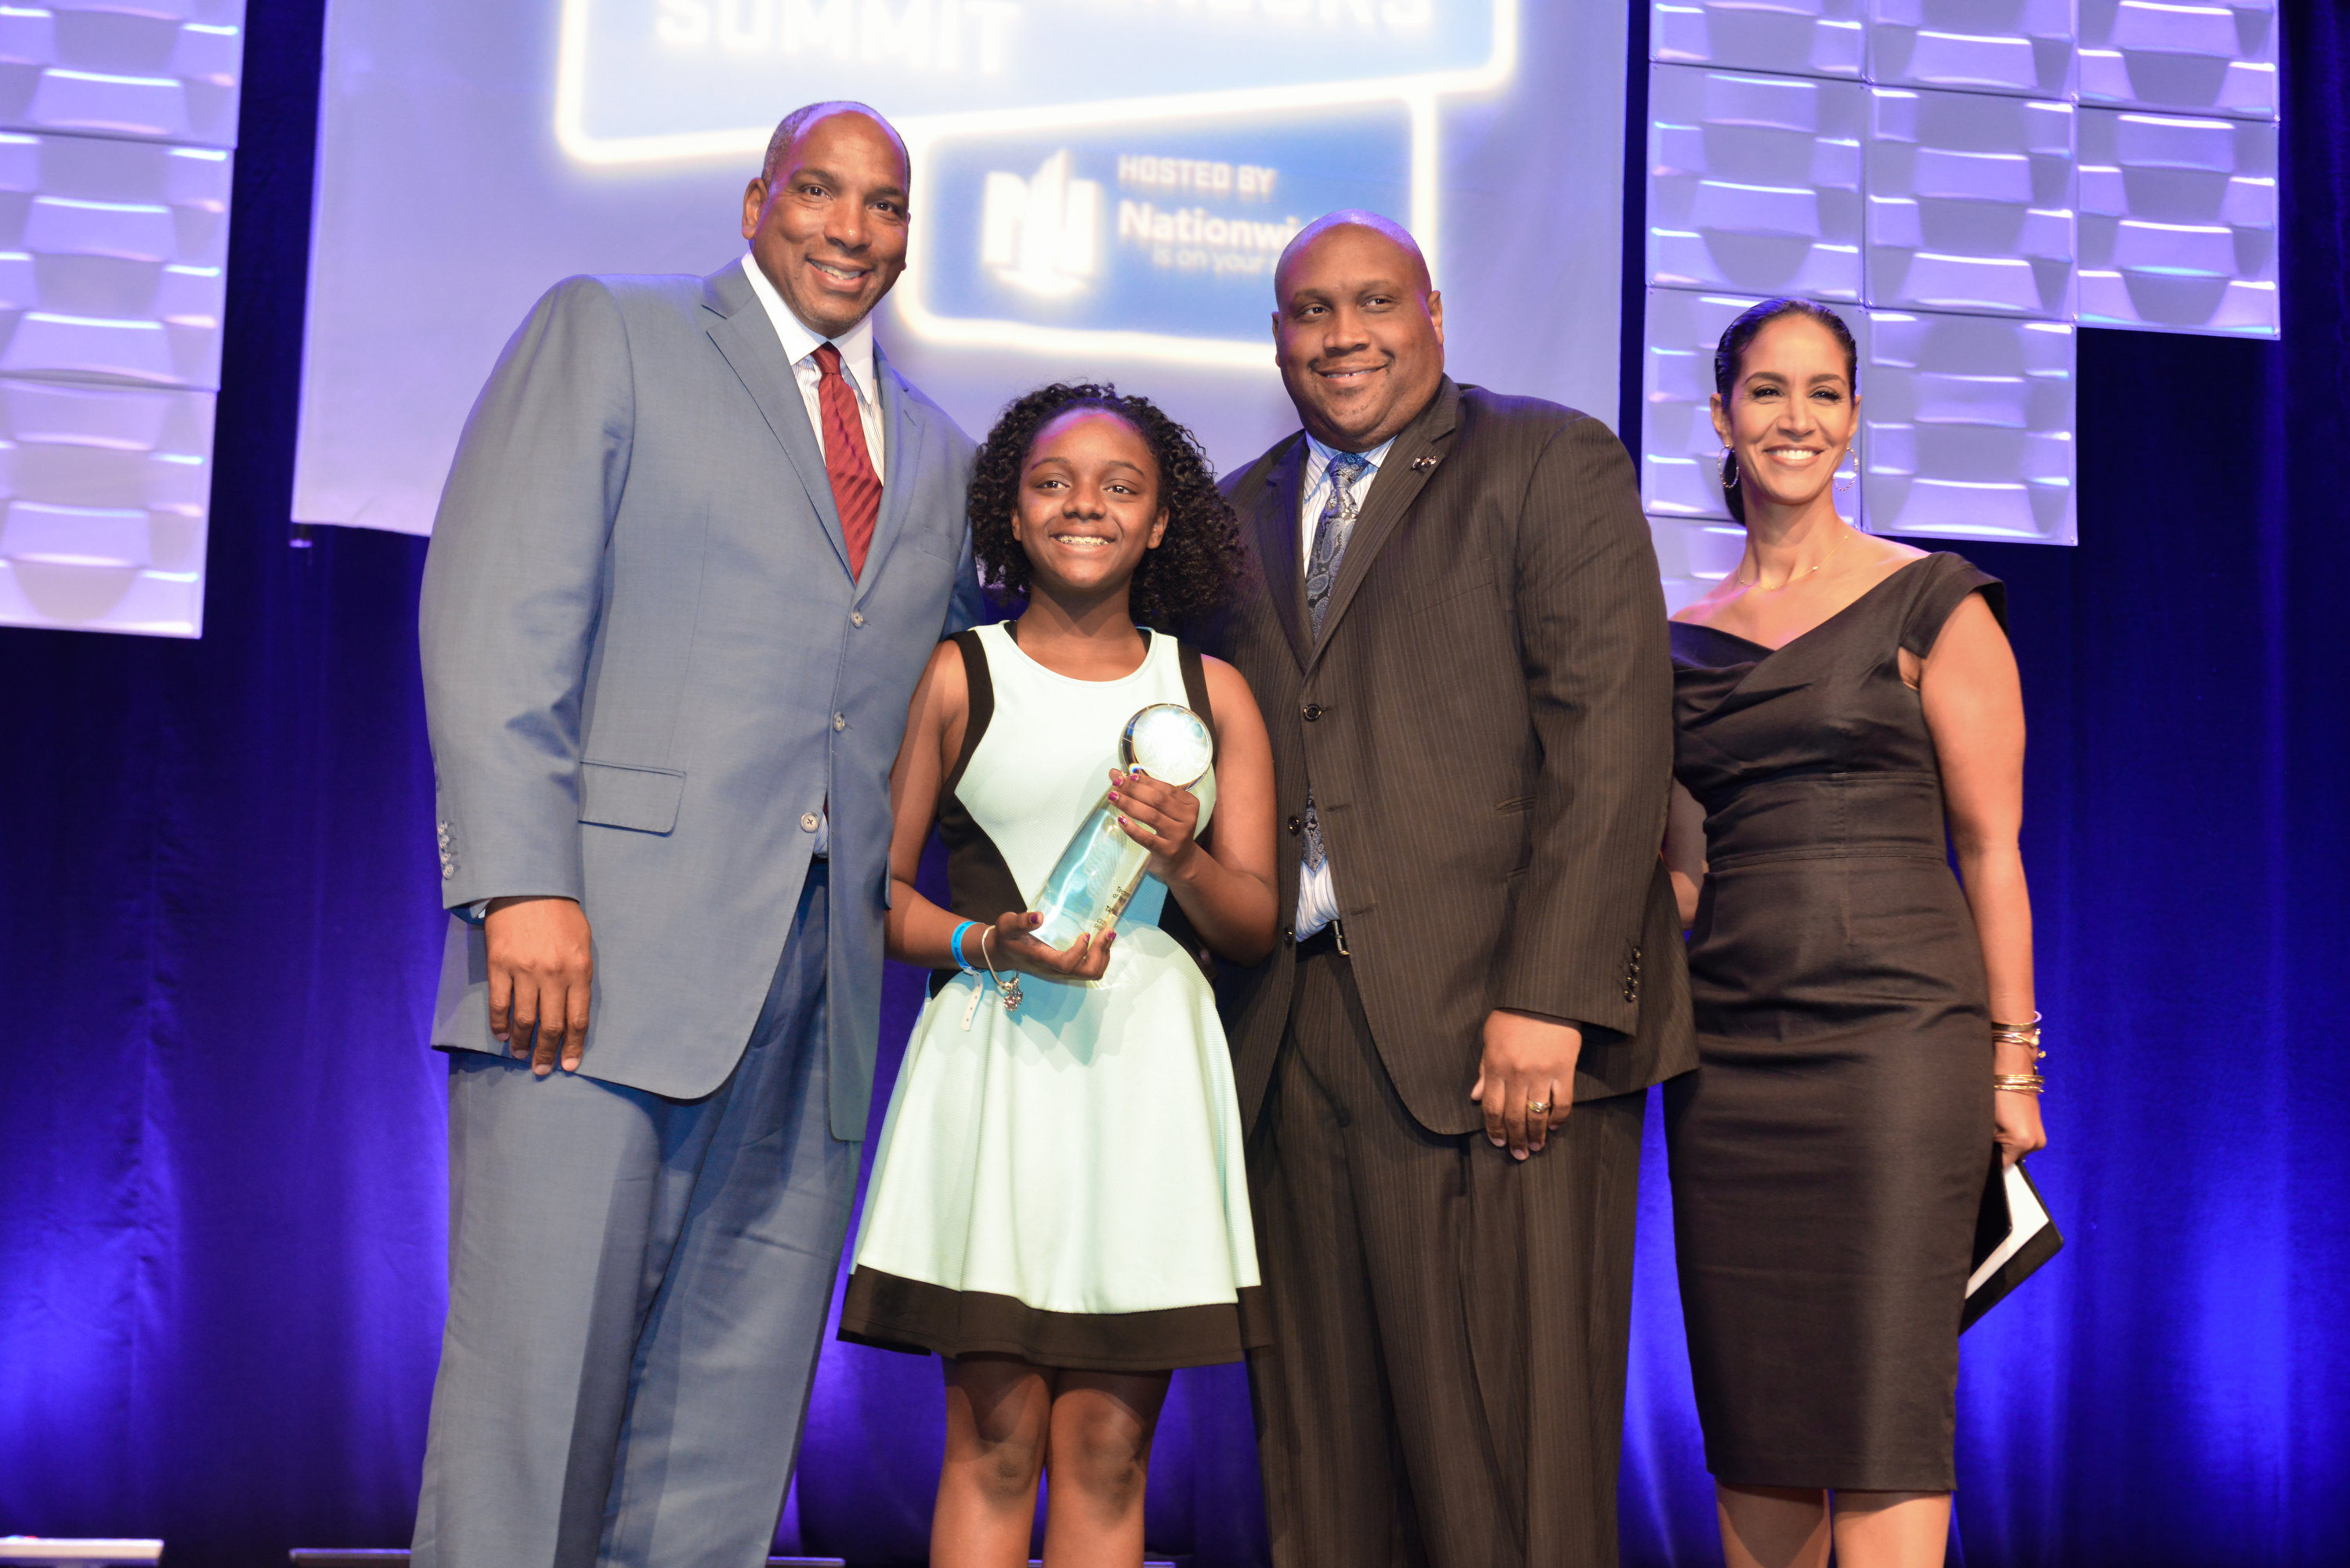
685, 1248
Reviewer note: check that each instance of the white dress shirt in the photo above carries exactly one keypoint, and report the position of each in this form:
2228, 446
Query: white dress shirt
1318, 899
800, 345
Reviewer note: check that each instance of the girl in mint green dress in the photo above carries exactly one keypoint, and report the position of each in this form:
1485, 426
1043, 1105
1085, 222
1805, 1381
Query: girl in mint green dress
1058, 1206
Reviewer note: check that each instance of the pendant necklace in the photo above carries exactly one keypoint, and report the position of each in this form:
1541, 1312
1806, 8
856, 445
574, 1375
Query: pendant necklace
1794, 579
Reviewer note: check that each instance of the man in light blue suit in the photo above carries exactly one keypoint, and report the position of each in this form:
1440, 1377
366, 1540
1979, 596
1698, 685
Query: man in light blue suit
698, 540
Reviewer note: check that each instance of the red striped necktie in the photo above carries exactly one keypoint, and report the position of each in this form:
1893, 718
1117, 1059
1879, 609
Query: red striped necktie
856, 488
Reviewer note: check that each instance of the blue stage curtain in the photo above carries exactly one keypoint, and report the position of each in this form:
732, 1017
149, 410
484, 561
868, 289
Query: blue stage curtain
221, 1139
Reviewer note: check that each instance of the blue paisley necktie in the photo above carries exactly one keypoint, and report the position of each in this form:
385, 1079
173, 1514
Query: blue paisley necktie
1331, 532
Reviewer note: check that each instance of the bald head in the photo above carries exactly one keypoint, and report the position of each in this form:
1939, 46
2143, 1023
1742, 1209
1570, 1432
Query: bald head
1379, 225
788, 129
1357, 331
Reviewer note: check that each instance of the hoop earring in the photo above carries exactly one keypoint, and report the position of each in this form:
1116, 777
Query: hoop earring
1726, 470
1845, 481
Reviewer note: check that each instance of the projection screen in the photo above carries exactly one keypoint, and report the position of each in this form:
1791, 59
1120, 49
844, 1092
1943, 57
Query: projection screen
1100, 187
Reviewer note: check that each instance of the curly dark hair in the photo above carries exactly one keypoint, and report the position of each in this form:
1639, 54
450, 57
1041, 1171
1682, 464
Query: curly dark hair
1199, 561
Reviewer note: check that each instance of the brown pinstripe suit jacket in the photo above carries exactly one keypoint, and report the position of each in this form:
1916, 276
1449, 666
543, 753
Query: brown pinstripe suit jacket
1487, 722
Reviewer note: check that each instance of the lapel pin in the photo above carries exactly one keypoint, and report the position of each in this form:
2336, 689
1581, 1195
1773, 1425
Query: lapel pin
1423, 465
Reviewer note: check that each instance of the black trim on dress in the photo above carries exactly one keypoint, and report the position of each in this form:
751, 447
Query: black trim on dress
889, 1311
980, 883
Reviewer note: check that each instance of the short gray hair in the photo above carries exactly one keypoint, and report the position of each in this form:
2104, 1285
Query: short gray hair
788, 130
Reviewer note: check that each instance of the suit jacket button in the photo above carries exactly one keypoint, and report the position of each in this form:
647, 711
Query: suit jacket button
1312, 711
857, 618
840, 721
1288, 936
810, 821
1296, 825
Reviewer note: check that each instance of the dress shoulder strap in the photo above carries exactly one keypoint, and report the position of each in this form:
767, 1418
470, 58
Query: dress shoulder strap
980, 885
1945, 582
1195, 684
981, 686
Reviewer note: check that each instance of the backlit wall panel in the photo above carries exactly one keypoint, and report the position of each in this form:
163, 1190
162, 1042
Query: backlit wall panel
1968, 426
2207, 56
117, 122
1754, 183
2026, 169
2179, 220
165, 70
2018, 47
107, 493
1969, 203
1795, 38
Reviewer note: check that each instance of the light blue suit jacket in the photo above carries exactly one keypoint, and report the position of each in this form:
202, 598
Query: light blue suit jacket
648, 669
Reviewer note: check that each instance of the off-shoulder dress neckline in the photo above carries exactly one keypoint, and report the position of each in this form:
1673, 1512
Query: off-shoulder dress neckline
1863, 597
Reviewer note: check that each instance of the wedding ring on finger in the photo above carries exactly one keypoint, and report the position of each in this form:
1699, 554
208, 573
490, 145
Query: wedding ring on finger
1537, 1107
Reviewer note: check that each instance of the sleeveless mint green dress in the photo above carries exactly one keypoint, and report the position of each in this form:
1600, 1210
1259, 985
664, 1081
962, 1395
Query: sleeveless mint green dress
1063, 1182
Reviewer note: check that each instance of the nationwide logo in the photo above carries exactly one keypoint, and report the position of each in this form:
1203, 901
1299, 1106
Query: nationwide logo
1149, 223
1042, 234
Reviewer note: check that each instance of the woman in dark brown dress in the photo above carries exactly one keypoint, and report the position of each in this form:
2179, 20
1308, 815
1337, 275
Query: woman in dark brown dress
1842, 703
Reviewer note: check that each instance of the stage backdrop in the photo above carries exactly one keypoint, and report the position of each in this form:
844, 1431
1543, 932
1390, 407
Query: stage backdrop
221, 1155
1100, 190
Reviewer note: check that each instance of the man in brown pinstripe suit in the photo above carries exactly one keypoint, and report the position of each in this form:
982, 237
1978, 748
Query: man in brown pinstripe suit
1458, 639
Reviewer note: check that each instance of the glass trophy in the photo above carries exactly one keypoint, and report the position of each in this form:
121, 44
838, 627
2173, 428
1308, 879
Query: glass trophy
1098, 872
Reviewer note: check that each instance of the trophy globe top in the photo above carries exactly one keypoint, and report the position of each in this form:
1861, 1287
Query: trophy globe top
1169, 743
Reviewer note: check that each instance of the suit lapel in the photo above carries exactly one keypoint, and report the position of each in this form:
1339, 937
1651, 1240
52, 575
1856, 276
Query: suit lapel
1276, 522
1408, 463
902, 430
747, 338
